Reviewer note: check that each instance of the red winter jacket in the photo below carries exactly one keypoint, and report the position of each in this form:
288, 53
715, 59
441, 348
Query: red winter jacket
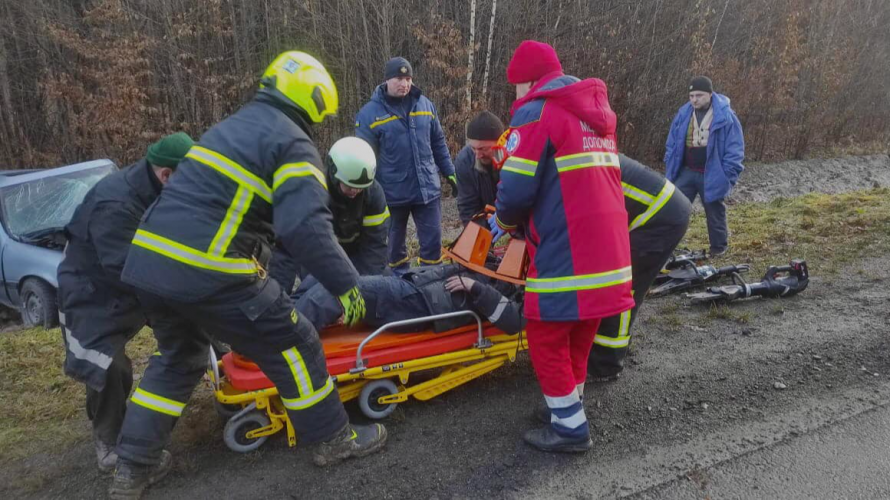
562, 182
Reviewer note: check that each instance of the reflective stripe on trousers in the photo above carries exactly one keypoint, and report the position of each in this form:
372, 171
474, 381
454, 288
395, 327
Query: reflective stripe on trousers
308, 396
623, 338
157, 403
97, 358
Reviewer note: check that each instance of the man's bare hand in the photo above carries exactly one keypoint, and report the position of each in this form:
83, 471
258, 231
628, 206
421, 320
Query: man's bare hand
459, 284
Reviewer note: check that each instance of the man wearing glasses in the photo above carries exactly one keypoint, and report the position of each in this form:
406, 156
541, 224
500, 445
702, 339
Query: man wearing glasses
477, 179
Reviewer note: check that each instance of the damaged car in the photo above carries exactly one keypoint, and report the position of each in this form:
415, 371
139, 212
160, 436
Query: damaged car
35, 206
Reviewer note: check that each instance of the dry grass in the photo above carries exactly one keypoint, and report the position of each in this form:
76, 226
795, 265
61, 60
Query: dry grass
828, 231
43, 408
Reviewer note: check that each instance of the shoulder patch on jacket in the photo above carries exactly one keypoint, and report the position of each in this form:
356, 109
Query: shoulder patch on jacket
528, 113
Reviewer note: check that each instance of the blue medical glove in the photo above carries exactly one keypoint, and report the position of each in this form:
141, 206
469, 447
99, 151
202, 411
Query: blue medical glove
496, 230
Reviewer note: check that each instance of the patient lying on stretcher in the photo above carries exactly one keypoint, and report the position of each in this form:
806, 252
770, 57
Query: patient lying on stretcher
423, 292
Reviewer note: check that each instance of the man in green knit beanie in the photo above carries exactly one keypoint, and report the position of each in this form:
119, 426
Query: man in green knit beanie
168, 152
100, 313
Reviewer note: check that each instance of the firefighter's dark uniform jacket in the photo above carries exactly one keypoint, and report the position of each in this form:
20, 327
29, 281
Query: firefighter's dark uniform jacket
198, 259
658, 215
361, 225
654, 207
100, 313
254, 175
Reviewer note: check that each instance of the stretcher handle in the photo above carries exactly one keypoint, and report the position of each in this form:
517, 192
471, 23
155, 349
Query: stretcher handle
214, 365
360, 363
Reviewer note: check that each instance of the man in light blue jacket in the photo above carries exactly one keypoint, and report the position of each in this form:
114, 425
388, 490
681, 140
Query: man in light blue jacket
403, 127
704, 153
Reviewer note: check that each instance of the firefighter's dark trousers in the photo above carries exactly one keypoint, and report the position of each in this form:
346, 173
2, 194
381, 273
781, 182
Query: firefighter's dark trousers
648, 254
259, 322
106, 408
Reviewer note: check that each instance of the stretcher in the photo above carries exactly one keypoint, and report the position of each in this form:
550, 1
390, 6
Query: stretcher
372, 368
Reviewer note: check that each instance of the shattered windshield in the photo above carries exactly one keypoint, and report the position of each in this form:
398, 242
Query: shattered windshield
35, 209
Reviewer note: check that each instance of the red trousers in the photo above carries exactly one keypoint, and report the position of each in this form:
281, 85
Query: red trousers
559, 352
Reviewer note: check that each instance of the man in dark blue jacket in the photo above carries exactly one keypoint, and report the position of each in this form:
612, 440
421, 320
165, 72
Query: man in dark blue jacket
704, 153
404, 129
477, 178
99, 312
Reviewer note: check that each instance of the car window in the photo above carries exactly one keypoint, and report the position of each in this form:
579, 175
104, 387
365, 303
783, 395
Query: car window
33, 208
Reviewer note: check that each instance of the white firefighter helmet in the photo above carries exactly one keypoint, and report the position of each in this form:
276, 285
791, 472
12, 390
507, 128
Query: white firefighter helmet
353, 162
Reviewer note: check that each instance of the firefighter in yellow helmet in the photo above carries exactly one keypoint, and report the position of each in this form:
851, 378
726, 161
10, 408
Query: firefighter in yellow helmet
199, 259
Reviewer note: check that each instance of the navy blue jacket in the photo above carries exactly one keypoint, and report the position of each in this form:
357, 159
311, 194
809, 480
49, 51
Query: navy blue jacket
100, 313
726, 148
252, 177
477, 188
410, 147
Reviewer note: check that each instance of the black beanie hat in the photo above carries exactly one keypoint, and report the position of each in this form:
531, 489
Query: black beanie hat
397, 66
702, 84
486, 126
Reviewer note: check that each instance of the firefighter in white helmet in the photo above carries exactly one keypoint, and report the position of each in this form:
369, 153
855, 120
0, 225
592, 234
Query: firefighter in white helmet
361, 218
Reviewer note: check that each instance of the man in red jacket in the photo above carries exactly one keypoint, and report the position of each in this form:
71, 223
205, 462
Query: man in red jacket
562, 184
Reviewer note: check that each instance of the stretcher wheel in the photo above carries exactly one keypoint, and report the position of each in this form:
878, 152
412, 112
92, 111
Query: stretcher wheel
373, 390
235, 432
226, 411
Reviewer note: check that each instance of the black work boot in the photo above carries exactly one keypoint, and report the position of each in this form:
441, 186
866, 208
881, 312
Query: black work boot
131, 479
351, 442
546, 439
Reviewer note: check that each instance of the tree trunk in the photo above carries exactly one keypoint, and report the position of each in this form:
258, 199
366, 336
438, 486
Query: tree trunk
472, 52
494, 6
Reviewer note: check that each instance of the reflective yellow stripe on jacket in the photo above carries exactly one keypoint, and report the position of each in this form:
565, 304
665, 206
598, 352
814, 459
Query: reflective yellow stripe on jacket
576, 283
520, 166
375, 220
586, 160
291, 170
191, 256
654, 204
383, 121
232, 170
249, 186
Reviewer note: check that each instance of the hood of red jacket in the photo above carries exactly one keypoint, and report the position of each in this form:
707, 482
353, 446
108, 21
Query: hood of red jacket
587, 99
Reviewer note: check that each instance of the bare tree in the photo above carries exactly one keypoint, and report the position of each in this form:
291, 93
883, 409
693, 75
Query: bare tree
494, 8
472, 52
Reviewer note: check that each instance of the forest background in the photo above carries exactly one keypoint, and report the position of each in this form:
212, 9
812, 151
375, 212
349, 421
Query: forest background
83, 79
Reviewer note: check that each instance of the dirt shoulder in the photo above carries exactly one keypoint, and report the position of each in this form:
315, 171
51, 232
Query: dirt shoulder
762, 182
688, 380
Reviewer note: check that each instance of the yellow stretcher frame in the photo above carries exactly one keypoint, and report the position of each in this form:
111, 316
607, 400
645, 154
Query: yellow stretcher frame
458, 368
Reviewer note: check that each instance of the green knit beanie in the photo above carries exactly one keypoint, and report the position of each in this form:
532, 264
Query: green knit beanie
170, 150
